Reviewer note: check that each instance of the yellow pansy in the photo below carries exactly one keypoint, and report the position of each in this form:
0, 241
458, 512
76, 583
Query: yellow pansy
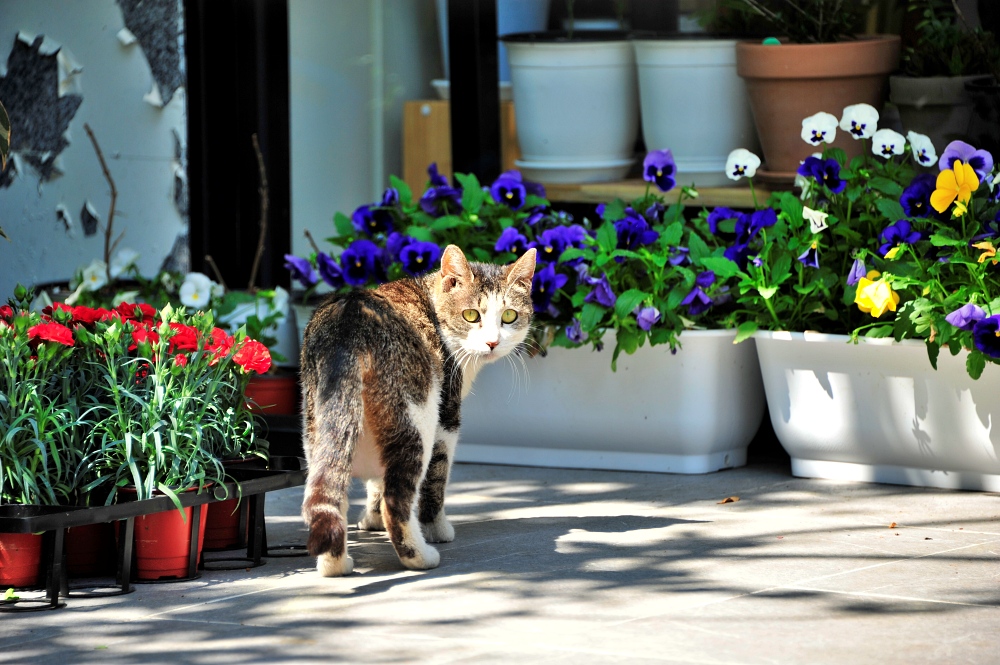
875, 296
954, 184
989, 251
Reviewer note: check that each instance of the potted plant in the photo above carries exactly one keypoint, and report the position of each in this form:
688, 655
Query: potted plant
821, 63
854, 287
930, 89
576, 102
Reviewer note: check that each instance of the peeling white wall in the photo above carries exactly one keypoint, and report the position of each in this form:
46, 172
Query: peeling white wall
137, 138
338, 121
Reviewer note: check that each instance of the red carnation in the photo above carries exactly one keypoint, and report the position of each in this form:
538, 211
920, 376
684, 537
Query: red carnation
89, 315
137, 311
141, 335
51, 332
185, 338
6, 312
253, 357
56, 307
181, 360
220, 345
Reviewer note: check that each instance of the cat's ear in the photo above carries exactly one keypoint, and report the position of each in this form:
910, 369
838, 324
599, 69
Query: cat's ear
523, 270
455, 268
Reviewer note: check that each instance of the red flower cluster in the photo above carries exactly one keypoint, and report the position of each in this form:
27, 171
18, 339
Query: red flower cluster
6, 313
185, 338
253, 356
51, 332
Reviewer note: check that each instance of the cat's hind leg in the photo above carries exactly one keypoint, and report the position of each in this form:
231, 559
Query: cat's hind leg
372, 519
406, 440
433, 521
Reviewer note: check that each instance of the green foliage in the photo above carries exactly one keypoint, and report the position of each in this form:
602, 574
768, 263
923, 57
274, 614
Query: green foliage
807, 21
947, 47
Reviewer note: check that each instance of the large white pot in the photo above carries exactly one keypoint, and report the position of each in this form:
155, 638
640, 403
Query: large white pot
694, 103
878, 412
693, 412
577, 107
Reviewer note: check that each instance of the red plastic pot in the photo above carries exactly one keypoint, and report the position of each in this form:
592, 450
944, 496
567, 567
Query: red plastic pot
90, 550
163, 541
273, 394
222, 527
20, 559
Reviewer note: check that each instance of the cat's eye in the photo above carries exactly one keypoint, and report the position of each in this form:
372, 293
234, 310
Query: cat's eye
508, 316
471, 315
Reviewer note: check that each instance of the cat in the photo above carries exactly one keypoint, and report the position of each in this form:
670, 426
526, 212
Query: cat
384, 372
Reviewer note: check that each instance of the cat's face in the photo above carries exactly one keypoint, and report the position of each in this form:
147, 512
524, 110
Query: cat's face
485, 310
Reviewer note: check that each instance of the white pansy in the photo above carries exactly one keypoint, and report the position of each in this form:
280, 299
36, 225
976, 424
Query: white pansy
819, 128
122, 260
741, 164
95, 275
860, 121
817, 219
886, 143
805, 184
218, 290
125, 296
279, 302
922, 148
196, 291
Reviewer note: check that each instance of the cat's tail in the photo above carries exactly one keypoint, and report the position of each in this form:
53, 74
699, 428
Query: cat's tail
334, 415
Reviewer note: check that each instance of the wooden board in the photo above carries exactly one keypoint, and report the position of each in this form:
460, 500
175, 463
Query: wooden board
602, 192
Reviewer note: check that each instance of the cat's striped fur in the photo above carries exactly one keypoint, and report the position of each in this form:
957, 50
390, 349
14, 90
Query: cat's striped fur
384, 372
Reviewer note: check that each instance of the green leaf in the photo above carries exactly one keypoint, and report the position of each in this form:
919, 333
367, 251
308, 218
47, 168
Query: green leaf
879, 332
447, 222
420, 233
891, 209
343, 224
673, 233
699, 250
472, 192
628, 301
721, 266
886, 186
975, 363
614, 211
405, 194
932, 353
591, 315
745, 331
482, 255
939, 240
571, 253
607, 237
628, 340
767, 292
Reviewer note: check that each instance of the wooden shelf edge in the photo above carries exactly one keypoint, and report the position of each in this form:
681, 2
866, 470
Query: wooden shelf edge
603, 192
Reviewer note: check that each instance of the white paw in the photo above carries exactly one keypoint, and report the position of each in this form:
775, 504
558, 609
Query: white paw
371, 521
438, 531
426, 558
331, 566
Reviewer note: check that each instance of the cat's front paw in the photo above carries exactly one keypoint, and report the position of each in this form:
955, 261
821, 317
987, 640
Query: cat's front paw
438, 531
426, 558
331, 566
371, 521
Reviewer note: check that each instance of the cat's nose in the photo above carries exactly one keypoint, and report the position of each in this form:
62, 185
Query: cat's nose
493, 345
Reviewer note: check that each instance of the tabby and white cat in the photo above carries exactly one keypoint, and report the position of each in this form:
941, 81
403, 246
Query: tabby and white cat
384, 372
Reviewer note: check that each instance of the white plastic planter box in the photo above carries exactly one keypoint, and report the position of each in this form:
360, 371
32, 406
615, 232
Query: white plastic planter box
577, 107
693, 412
878, 412
694, 103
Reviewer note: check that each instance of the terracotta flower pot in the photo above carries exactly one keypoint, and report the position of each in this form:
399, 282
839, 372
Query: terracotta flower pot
789, 82
273, 394
20, 557
162, 543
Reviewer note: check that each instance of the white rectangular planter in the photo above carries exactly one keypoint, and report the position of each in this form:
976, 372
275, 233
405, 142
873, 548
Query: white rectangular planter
693, 412
878, 412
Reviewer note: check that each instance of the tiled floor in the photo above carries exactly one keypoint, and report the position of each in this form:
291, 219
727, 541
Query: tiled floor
586, 566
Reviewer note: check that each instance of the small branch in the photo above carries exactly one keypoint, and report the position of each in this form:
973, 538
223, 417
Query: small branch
215, 269
263, 213
312, 241
114, 198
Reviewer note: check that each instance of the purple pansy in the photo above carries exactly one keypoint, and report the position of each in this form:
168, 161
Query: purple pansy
654, 213
858, 271
602, 293
896, 234
824, 171
371, 219
720, 214
986, 335
810, 257
436, 179
361, 261
511, 241
916, 198
658, 167
697, 300
647, 317
545, 285
551, 244
395, 243
420, 256
390, 197
509, 190
534, 216
575, 333
329, 270
966, 316
301, 270
678, 256
438, 201
747, 228
981, 161
633, 231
